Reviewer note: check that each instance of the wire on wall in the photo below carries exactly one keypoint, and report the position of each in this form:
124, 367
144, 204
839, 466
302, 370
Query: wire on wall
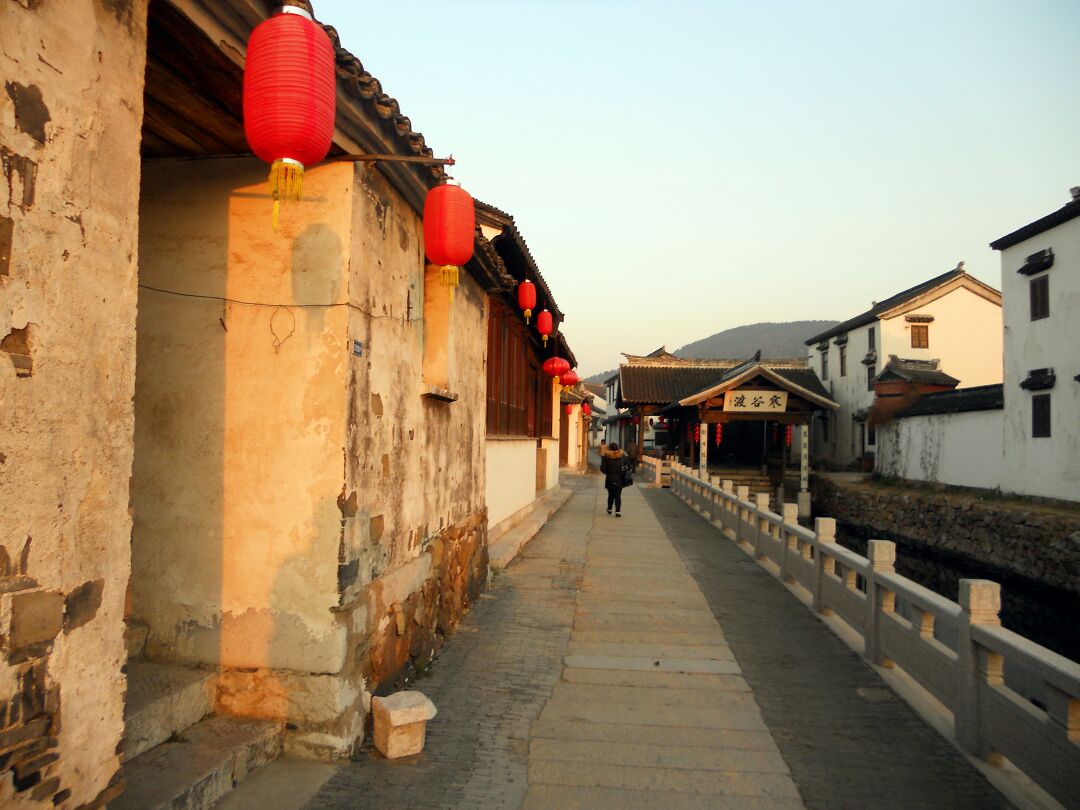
270, 305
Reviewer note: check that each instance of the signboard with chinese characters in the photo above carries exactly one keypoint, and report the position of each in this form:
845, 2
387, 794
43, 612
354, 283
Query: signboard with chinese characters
749, 401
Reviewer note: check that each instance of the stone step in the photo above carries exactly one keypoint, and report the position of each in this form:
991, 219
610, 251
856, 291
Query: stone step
163, 700
194, 770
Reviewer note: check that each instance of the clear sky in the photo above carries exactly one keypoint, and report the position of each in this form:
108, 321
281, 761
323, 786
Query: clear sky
679, 168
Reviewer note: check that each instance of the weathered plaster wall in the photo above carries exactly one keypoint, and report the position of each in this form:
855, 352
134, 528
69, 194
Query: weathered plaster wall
70, 114
850, 393
961, 449
240, 417
510, 470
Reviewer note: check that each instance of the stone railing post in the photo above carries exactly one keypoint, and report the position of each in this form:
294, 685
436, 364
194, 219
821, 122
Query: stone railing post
825, 529
879, 601
976, 667
761, 501
742, 494
726, 506
787, 538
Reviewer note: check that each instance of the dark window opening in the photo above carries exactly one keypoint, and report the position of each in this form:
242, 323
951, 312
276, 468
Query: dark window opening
1040, 297
825, 364
843, 361
1040, 416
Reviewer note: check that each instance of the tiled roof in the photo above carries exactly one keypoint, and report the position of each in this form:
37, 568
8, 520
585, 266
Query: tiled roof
1070, 210
980, 398
872, 314
596, 390
925, 372
512, 246
650, 382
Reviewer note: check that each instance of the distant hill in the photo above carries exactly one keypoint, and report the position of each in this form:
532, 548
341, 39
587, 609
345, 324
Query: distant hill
777, 341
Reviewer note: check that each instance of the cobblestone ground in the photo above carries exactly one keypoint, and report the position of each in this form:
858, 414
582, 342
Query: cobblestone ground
489, 683
646, 662
850, 741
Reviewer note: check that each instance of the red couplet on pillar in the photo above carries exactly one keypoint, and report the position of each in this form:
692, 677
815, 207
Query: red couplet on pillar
290, 95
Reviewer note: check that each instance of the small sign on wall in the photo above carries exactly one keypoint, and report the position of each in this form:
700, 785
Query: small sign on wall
747, 400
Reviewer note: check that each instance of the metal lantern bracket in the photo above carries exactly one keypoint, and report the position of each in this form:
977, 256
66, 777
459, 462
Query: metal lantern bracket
423, 161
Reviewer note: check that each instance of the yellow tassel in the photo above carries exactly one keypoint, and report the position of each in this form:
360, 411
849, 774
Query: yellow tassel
448, 275
286, 183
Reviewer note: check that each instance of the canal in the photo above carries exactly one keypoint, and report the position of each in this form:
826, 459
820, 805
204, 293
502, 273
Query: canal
1044, 614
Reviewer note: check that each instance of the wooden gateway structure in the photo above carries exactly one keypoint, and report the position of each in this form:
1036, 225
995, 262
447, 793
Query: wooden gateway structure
744, 420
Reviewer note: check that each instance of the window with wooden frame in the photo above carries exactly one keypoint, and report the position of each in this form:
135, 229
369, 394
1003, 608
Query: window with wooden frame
515, 383
1040, 297
843, 361
824, 364
920, 336
1040, 416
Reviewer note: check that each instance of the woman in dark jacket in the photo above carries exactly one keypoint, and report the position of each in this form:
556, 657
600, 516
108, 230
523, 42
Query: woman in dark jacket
611, 465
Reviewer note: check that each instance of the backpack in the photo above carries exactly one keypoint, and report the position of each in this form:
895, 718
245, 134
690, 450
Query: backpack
628, 473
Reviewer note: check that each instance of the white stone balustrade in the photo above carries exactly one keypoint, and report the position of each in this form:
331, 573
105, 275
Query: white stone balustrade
990, 720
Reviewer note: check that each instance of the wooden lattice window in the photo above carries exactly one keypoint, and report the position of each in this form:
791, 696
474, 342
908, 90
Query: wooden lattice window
920, 336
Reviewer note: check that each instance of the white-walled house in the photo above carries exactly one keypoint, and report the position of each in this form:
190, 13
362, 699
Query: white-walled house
1040, 283
952, 318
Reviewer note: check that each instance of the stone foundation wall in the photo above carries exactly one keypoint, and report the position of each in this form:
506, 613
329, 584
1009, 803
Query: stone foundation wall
1036, 543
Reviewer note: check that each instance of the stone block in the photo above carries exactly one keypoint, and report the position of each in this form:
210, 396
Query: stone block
401, 722
36, 617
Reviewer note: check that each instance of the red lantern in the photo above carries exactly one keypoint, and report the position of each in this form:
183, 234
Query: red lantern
637, 420
586, 409
569, 378
449, 229
569, 409
290, 93
555, 366
787, 436
527, 298
697, 433
719, 434
544, 324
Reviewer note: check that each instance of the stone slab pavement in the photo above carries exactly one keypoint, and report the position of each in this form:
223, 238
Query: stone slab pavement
631, 663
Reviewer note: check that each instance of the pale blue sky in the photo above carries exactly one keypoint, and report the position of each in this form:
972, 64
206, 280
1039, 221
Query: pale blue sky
680, 168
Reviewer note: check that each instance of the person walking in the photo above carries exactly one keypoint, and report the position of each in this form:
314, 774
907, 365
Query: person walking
613, 466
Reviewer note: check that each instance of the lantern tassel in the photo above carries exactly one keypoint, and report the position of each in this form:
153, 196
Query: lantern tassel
528, 314
448, 275
286, 183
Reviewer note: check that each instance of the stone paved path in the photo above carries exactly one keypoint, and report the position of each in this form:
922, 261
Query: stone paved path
595, 673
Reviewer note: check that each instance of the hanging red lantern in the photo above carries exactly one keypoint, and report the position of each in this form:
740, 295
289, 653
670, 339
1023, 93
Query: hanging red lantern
637, 420
586, 409
527, 298
555, 366
544, 324
569, 378
787, 436
569, 409
719, 434
449, 229
290, 94
697, 433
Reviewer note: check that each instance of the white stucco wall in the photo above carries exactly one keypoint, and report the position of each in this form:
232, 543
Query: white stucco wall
511, 477
965, 336
1047, 467
961, 449
850, 393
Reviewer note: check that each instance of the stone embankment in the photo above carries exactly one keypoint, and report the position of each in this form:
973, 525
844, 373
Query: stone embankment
1032, 541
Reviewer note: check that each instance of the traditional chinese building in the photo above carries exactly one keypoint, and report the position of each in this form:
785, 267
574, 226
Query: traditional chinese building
748, 421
